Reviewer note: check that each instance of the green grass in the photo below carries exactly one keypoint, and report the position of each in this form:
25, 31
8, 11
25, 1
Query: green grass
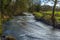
50, 12
48, 15
57, 15
38, 15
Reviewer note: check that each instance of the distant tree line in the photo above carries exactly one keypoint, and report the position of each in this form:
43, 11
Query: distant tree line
9, 7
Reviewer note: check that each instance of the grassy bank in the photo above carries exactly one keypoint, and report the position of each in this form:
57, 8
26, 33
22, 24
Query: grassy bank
47, 15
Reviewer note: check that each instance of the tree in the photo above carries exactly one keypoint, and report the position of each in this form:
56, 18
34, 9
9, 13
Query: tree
53, 14
4, 6
10, 8
21, 6
36, 6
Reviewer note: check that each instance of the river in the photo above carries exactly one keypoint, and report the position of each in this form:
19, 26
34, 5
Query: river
27, 28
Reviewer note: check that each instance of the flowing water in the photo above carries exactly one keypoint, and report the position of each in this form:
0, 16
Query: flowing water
27, 28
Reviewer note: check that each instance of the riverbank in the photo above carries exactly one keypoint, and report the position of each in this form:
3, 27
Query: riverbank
2, 21
45, 17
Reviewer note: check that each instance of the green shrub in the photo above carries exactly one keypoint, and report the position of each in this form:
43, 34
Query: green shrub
38, 15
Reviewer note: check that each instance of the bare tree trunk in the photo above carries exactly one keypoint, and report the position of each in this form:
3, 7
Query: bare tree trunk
53, 15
